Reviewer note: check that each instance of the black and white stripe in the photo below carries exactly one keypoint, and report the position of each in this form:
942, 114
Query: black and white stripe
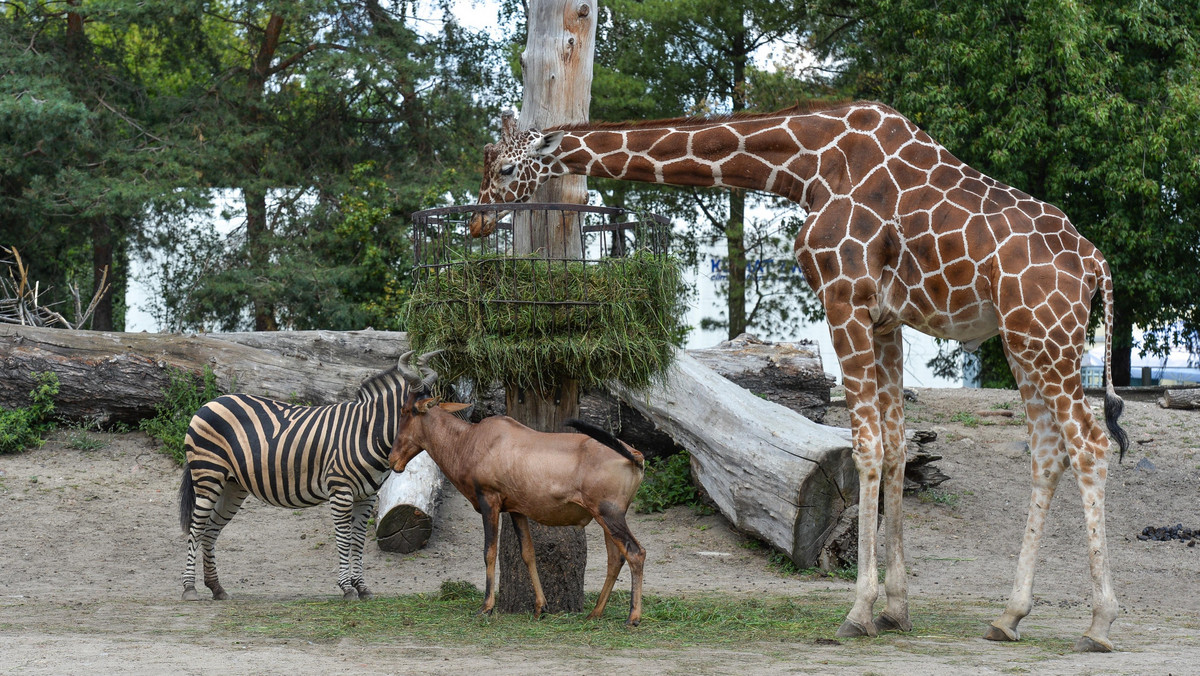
291, 456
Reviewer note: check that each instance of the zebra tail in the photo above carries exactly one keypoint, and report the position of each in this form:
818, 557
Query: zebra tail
605, 438
187, 499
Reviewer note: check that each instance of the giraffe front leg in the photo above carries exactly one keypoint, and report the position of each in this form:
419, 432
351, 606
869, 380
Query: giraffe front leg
342, 503
852, 341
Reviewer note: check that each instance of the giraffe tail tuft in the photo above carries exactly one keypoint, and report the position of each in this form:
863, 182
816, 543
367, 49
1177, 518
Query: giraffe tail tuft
1114, 406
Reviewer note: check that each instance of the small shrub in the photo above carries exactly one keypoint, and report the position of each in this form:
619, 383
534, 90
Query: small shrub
183, 396
23, 428
938, 497
667, 483
78, 439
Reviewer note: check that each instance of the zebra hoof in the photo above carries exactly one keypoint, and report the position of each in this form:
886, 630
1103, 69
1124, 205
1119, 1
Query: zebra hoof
365, 594
350, 595
189, 594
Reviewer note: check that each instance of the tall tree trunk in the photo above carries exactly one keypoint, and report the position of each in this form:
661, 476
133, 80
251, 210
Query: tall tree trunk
253, 194
557, 65
1122, 345
735, 242
735, 227
102, 262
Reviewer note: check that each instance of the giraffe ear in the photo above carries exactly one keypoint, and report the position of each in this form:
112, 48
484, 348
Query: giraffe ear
546, 145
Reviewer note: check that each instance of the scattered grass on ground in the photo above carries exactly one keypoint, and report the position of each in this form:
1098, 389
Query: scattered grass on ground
668, 622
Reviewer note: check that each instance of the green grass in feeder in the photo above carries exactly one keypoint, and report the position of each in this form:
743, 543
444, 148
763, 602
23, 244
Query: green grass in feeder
533, 322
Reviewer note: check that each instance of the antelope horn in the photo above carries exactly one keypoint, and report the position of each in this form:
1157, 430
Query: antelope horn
431, 376
411, 375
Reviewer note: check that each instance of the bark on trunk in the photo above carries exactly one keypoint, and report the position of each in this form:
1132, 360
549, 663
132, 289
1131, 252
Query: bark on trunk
772, 472
557, 65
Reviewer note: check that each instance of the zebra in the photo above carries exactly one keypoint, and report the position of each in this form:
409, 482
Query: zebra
293, 456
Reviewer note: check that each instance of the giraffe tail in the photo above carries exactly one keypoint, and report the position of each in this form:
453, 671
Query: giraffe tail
1114, 406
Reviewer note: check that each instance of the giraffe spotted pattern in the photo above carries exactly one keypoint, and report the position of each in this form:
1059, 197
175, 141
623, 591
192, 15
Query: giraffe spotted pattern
899, 233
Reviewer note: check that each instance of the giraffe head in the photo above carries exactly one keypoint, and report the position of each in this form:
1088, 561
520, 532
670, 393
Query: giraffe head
513, 168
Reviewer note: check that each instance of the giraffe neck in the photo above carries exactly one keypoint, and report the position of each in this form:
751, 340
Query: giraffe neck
773, 153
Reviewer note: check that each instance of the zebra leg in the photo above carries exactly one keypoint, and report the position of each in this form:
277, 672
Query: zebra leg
361, 513
342, 502
227, 504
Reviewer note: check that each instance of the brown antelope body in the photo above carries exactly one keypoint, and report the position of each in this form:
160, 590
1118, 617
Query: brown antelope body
556, 479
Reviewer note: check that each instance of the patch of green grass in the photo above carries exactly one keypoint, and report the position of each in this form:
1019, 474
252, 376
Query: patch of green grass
79, 439
668, 622
24, 427
184, 395
667, 483
965, 418
937, 496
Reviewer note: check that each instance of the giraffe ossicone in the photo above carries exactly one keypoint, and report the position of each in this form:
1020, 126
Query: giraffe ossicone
899, 233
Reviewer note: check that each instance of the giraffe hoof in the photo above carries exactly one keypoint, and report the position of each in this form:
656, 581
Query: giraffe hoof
997, 633
852, 629
886, 622
1087, 644
189, 594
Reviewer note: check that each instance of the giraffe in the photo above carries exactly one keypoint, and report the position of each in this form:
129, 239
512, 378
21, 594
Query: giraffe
899, 233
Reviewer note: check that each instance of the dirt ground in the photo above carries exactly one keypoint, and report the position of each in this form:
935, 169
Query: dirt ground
91, 553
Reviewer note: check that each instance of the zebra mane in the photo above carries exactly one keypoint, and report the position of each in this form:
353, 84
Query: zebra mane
379, 381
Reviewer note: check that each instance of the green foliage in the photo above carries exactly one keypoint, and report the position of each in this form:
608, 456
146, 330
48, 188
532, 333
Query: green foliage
23, 427
1092, 107
532, 322
936, 496
184, 395
667, 483
965, 418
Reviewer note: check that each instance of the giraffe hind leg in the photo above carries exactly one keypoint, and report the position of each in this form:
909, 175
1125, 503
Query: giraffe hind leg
1048, 460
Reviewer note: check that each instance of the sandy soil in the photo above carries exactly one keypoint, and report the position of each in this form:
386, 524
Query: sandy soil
91, 553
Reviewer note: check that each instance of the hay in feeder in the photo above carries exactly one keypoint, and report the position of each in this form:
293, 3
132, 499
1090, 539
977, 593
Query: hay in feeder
532, 322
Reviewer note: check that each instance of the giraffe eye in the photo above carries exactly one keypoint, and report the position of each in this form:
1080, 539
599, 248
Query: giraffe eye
508, 170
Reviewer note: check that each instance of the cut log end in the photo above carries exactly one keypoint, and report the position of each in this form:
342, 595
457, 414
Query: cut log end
404, 530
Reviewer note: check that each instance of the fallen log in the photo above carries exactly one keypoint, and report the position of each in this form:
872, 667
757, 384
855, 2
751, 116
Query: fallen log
106, 377
772, 472
789, 374
1187, 398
